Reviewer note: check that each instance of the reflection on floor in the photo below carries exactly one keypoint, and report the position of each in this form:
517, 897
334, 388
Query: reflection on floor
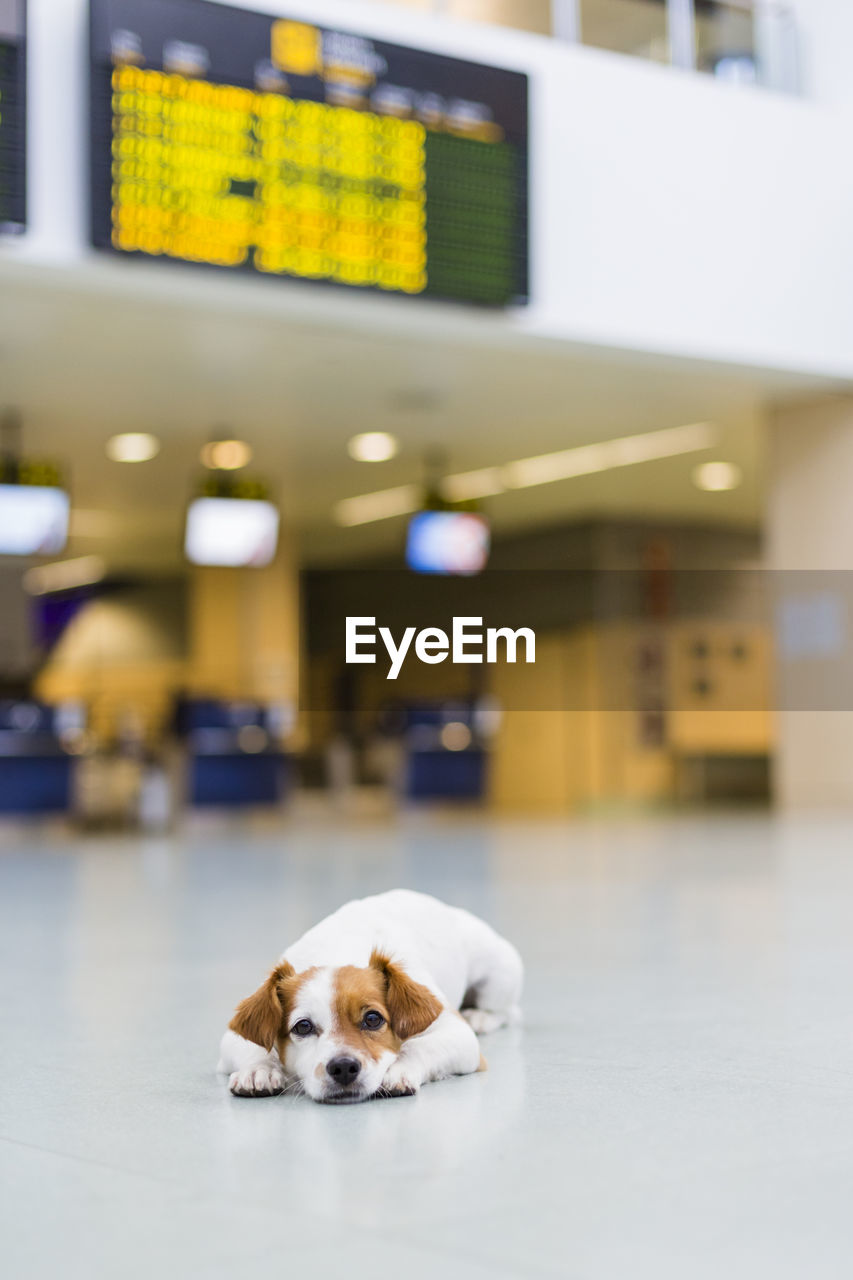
677, 1105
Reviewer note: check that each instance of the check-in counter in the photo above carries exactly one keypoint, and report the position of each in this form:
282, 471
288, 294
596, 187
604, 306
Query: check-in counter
36, 768
445, 758
234, 757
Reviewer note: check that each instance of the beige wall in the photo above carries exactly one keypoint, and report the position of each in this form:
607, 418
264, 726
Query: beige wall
244, 631
810, 528
541, 759
589, 748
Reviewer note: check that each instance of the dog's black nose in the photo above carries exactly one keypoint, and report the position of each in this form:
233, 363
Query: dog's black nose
343, 1070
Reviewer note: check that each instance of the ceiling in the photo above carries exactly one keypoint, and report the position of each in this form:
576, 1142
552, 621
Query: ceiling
83, 363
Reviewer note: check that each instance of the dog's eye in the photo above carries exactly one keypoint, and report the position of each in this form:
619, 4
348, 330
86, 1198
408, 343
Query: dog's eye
303, 1027
372, 1021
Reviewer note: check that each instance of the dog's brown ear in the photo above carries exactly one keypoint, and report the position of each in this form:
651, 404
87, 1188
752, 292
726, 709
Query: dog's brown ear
259, 1016
411, 1006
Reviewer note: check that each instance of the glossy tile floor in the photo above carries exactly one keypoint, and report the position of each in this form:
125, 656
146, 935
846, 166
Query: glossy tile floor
679, 1103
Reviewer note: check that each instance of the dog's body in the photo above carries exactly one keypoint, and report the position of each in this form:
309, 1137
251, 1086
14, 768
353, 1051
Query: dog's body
382, 996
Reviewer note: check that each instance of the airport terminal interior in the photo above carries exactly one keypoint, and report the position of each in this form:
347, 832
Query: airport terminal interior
425, 430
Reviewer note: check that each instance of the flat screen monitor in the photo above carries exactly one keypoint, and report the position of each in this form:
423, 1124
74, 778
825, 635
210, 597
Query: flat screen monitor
270, 144
231, 532
447, 542
13, 115
33, 520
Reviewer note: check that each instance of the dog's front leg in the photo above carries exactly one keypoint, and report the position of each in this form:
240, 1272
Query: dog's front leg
252, 1071
448, 1047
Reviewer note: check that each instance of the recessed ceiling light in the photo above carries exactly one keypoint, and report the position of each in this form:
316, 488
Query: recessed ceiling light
226, 455
716, 477
373, 446
133, 446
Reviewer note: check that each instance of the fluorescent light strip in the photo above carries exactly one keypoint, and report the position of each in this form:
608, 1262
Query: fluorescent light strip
64, 574
379, 506
468, 485
622, 452
545, 468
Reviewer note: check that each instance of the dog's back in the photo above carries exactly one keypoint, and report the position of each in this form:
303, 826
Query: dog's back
448, 949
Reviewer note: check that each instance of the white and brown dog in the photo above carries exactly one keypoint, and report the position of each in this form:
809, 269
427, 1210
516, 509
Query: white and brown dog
377, 999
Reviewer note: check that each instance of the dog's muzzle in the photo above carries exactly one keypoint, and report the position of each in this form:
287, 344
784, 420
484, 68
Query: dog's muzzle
344, 1075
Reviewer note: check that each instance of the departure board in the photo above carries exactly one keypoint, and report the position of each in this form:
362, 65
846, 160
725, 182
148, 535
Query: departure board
252, 142
13, 108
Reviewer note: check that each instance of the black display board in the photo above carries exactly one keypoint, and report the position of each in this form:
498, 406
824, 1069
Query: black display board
13, 115
251, 142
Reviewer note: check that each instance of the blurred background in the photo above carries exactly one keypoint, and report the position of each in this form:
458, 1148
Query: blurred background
570, 277
535, 311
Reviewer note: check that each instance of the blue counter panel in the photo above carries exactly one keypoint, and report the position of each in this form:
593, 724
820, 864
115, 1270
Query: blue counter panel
446, 775
35, 784
235, 780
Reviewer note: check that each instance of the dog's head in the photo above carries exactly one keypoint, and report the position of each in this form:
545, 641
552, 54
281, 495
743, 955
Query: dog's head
337, 1030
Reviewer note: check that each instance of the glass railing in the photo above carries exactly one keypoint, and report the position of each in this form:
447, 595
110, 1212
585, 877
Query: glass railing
527, 15
741, 41
636, 27
725, 41
524, 15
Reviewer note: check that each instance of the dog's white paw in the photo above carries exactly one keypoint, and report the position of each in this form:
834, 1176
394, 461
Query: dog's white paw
257, 1082
482, 1021
399, 1081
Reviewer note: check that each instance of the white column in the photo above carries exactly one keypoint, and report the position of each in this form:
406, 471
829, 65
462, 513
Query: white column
682, 34
566, 20
777, 47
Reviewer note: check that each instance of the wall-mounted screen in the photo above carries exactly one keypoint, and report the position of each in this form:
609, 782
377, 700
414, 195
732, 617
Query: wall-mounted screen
33, 520
231, 532
447, 542
246, 141
13, 115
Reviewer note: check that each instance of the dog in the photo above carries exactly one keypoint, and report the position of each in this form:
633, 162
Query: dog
386, 994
